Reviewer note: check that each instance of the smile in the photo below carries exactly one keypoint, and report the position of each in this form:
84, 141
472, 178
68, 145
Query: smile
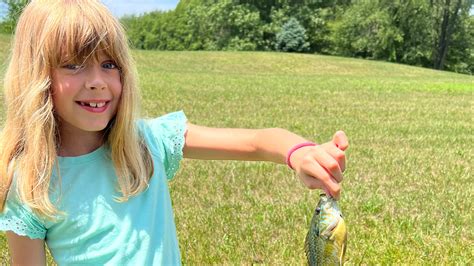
94, 106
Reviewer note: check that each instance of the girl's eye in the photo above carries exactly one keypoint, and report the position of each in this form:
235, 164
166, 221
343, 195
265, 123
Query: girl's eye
109, 65
72, 66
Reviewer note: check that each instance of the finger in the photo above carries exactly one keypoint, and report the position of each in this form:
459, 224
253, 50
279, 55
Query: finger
313, 183
338, 155
340, 140
330, 164
315, 176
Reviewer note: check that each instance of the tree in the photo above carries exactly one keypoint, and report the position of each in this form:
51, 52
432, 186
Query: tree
460, 57
413, 19
292, 37
450, 18
436, 33
366, 30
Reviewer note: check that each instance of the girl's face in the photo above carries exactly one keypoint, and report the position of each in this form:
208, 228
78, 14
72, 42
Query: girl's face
86, 96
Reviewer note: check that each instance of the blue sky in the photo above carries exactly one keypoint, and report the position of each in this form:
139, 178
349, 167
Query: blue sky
123, 7
2, 10
127, 7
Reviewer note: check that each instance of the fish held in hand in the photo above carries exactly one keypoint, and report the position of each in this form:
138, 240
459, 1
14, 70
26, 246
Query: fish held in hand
326, 240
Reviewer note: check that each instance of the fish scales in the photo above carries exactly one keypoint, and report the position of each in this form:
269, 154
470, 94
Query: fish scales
325, 243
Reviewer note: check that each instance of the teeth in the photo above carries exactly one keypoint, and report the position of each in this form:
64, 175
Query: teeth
93, 105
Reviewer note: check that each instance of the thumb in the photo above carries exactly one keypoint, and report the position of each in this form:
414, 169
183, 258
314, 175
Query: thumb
340, 140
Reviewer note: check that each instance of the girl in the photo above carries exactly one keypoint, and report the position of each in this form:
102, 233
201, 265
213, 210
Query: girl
81, 172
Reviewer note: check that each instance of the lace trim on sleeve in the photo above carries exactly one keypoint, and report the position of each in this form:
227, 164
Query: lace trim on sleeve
19, 227
177, 142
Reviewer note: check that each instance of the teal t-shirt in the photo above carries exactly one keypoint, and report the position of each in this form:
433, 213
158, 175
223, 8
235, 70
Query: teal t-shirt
97, 229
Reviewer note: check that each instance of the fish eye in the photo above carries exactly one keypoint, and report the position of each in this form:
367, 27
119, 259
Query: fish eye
318, 210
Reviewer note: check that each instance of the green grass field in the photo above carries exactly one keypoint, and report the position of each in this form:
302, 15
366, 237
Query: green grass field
408, 189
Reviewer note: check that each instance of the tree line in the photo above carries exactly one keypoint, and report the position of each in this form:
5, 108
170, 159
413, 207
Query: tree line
437, 34
430, 33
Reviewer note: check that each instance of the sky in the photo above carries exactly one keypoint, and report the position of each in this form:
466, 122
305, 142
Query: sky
127, 7
2, 10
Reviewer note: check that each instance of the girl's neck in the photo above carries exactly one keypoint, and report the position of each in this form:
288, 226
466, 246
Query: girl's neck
75, 143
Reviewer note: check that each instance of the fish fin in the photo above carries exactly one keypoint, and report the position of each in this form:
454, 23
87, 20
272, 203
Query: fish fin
343, 253
341, 258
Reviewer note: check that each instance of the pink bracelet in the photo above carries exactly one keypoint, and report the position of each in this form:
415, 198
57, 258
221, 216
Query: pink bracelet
296, 147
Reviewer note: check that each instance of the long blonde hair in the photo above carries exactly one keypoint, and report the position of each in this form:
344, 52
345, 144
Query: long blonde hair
46, 31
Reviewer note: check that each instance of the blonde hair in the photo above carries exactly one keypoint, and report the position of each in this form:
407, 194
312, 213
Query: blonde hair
46, 31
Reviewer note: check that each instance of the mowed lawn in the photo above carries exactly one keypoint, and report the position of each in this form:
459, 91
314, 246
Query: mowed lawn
408, 188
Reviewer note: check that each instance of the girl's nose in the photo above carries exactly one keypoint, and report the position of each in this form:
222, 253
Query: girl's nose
96, 79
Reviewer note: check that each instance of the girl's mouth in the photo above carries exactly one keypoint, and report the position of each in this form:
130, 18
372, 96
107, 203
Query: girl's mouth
94, 106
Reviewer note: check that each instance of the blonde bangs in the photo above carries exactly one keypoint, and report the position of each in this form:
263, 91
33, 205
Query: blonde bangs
79, 34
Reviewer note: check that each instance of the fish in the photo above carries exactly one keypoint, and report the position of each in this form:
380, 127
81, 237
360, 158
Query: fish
326, 240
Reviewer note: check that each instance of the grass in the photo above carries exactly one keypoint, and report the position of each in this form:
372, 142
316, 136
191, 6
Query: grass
407, 194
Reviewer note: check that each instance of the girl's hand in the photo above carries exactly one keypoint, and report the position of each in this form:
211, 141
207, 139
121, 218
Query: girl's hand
322, 166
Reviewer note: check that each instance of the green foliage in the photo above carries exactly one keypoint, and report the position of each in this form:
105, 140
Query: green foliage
195, 26
292, 37
221, 25
409, 32
13, 13
318, 30
233, 27
414, 32
413, 20
367, 31
437, 33
460, 56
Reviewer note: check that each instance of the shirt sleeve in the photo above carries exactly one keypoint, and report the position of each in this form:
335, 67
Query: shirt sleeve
167, 139
20, 219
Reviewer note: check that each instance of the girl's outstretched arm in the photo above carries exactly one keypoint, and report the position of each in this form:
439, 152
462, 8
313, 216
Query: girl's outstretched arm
25, 251
317, 166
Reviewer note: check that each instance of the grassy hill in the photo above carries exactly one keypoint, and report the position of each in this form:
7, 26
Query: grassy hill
407, 194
